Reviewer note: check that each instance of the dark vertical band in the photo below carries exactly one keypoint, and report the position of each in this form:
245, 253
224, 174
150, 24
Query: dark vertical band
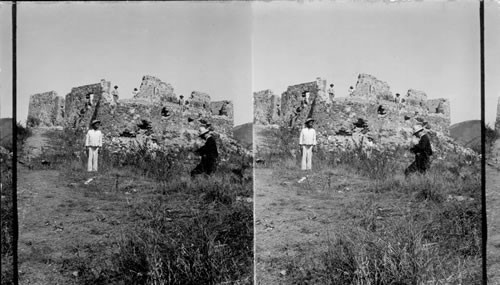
15, 226
483, 150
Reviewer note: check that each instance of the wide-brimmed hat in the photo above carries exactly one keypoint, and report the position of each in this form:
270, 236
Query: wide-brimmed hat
417, 129
309, 120
203, 131
95, 122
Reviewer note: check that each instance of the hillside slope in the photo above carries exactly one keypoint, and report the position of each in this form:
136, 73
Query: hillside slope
467, 133
243, 134
6, 132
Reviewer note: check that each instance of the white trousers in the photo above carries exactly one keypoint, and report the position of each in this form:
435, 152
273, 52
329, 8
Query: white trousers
92, 163
307, 157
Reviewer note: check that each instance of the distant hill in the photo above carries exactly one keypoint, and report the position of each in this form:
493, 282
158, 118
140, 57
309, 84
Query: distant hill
6, 132
244, 134
467, 133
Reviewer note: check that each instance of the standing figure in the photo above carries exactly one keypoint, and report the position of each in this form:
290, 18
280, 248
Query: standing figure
182, 103
135, 92
208, 152
115, 94
422, 152
305, 99
307, 141
331, 92
93, 141
351, 91
399, 101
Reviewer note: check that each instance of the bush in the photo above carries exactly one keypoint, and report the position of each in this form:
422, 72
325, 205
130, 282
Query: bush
7, 216
32, 122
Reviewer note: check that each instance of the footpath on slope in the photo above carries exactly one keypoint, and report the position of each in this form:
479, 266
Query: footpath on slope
60, 218
493, 213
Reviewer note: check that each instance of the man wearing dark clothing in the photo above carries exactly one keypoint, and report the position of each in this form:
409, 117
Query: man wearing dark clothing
422, 152
208, 153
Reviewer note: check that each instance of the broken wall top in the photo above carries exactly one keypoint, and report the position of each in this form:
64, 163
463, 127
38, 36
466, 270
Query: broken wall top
155, 90
45, 109
266, 107
369, 87
497, 122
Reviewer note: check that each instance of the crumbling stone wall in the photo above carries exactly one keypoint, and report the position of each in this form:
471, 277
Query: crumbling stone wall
154, 113
85, 103
222, 108
369, 87
45, 109
266, 107
415, 97
58, 112
291, 99
438, 106
199, 100
497, 122
336, 121
154, 90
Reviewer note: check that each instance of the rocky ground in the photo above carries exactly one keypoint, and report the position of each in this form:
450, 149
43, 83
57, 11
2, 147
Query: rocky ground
493, 212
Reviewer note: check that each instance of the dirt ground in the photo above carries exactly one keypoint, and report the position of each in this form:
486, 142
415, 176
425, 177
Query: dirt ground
493, 213
292, 218
60, 216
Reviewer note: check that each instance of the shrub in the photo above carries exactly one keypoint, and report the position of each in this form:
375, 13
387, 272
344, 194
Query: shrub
32, 122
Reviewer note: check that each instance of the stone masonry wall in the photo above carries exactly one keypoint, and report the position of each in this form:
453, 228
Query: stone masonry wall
147, 114
154, 113
154, 90
291, 99
222, 108
46, 108
83, 103
266, 107
335, 121
415, 97
497, 122
369, 87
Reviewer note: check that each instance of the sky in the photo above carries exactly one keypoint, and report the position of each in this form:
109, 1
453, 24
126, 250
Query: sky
202, 46
6, 60
429, 46
232, 49
492, 60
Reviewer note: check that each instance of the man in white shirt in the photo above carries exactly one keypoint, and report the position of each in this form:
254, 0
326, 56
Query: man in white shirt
307, 141
115, 94
93, 141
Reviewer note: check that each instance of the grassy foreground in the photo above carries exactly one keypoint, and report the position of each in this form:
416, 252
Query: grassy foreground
429, 232
176, 230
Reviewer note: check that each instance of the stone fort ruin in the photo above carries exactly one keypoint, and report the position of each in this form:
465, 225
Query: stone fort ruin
370, 110
155, 112
497, 121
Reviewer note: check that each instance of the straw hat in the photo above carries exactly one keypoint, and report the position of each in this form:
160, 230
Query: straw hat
417, 129
309, 120
203, 131
95, 122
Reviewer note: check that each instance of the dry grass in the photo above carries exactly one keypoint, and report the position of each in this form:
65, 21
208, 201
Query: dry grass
433, 235
178, 230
